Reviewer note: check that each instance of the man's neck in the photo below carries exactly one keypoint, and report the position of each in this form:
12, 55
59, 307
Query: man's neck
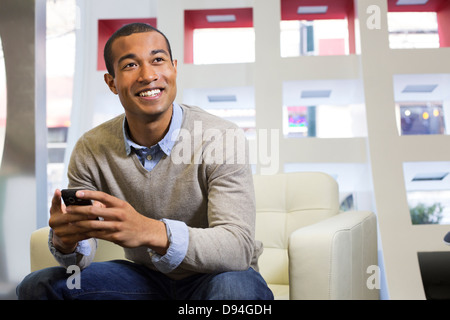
148, 132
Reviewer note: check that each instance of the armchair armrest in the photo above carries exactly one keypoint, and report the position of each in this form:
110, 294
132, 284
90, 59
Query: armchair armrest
40, 256
329, 259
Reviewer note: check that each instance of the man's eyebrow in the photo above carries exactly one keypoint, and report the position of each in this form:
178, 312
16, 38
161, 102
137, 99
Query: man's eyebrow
127, 56
133, 56
156, 51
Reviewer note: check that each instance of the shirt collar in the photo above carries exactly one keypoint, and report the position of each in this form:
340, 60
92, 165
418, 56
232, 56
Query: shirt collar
166, 144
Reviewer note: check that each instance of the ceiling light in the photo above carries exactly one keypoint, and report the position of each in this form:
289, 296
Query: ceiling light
221, 18
437, 176
311, 9
316, 94
419, 88
222, 98
410, 2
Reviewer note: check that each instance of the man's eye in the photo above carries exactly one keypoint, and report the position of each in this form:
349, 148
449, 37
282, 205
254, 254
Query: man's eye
158, 60
130, 65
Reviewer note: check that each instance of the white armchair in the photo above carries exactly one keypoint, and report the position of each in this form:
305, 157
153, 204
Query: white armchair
311, 250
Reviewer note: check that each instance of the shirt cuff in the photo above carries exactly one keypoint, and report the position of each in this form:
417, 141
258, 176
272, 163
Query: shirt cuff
65, 260
178, 234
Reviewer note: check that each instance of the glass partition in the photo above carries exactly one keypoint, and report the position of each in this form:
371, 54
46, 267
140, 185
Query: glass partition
61, 24
2, 101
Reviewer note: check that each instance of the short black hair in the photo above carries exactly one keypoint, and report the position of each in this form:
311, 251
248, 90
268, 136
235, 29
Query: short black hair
126, 30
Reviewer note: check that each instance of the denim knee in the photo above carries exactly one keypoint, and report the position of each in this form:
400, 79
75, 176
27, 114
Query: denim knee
42, 284
235, 285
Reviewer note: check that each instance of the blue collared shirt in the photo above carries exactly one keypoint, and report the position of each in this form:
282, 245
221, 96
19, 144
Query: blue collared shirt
177, 231
150, 157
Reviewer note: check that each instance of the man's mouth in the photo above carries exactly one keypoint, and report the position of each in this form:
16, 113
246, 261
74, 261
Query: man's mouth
149, 93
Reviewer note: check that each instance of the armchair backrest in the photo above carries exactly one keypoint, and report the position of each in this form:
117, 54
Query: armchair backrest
284, 203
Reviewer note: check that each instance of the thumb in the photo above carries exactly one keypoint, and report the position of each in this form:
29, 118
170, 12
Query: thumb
57, 205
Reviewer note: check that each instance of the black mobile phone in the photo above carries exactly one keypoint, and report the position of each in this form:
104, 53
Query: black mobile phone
69, 198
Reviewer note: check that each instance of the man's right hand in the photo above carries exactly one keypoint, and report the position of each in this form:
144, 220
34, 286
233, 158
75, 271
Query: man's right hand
65, 234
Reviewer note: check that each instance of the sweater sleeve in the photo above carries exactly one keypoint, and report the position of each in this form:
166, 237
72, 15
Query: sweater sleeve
228, 243
86, 249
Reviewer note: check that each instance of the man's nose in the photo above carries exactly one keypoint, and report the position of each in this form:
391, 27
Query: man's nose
147, 74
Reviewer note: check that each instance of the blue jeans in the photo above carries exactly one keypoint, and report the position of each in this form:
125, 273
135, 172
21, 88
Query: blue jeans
124, 280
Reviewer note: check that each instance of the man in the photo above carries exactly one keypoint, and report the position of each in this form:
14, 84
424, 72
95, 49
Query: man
165, 187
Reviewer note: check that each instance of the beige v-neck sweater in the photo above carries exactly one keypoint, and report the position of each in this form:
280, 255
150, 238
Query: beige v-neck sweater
206, 182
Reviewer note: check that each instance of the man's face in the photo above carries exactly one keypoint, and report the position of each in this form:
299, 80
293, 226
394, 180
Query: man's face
145, 76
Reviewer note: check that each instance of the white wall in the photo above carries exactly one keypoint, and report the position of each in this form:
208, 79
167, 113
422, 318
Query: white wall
400, 240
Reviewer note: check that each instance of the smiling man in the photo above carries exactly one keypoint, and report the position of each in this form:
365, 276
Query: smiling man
145, 82
187, 228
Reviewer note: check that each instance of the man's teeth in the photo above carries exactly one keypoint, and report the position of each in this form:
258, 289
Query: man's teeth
150, 93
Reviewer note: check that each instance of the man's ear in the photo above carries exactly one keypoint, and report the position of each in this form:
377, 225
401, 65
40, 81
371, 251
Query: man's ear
109, 79
174, 63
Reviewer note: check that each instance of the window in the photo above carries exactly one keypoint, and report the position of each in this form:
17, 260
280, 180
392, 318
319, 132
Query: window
323, 109
412, 30
428, 191
422, 103
61, 24
418, 24
224, 45
235, 104
317, 28
315, 38
421, 118
219, 36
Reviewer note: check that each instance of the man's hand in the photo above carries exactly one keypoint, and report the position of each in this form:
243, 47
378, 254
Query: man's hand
65, 234
121, 223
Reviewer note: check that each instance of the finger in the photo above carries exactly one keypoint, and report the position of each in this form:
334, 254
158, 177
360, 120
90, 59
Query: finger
102, 197
104, 206
63, 221
96, 228
98, 204
69, 224
97, 213
71, 234
76, 213
57, 206
111, 236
